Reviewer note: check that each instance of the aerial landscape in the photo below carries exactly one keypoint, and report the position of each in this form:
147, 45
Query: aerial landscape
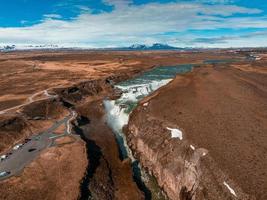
133, 100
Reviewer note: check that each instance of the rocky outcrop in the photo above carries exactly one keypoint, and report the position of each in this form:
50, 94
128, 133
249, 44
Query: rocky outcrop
12, 128
174, 164
12, 123
44, 109
78, 92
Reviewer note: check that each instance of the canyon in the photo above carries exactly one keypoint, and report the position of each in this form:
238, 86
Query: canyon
194, 166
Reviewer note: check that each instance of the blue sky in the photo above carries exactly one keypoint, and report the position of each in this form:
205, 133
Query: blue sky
113, 23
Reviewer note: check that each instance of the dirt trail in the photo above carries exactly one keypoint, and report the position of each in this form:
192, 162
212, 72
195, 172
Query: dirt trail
30, 100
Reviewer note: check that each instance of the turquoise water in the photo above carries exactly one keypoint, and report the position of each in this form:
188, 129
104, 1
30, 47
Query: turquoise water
158, 73
218, 61
137, 88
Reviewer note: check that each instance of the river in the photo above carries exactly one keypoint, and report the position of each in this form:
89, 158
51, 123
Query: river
133, 91
118, 111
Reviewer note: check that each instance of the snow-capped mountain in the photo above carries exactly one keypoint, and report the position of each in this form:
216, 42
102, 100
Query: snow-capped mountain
156, 46
7, 48
138, 46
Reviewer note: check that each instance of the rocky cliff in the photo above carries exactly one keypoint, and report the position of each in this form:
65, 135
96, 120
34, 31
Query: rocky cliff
183, 171
12, 128
160, 135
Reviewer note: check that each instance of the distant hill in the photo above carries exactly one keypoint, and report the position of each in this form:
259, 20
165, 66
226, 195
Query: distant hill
156, 46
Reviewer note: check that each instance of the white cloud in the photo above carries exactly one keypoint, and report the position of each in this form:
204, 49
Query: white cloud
128, 24
118, 3
229, 38
84, 8
23, 21
52, 16
216, 1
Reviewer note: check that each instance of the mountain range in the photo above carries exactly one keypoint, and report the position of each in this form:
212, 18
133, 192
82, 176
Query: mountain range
156, 46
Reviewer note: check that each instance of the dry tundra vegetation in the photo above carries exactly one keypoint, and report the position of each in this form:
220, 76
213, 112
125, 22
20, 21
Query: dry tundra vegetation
220, 107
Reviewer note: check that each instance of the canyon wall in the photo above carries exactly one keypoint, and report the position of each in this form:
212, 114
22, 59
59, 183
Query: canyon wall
183, 171
182, 167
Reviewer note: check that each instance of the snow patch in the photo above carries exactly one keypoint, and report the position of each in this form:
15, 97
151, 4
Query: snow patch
229, 188
192, 147
176, 133
145, 104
